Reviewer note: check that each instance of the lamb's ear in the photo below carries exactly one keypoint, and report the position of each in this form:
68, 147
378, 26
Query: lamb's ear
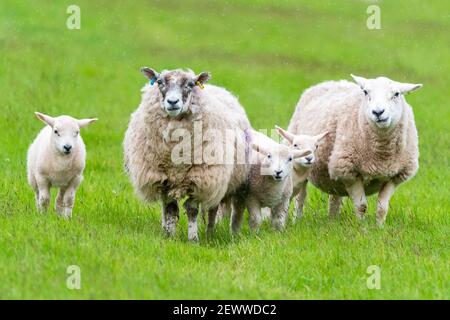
321, 136
259, 149
359, 80
405, 88
149, 73
202, 77
301, 153
84, 122
45, 118
285, 134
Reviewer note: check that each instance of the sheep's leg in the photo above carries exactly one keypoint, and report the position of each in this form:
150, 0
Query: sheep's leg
43, 194
254, 210
356, 192
59, 203
299, 201
383, 201
225, 209
192, 213
170, 214
237, 215
334, 205
280, 214
212, 214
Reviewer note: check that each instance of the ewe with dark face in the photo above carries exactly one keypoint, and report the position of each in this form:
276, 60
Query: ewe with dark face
176, 88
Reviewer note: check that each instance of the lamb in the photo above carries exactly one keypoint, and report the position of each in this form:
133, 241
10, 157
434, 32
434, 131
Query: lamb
269, 182
56, 158
372, 146
302, 166
175, 142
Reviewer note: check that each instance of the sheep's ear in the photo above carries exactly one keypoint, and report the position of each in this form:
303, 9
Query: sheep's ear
149, 73
405, 88
84, 122
285, 134
321, 136
301, 153
359, 80
202, 78
45, 118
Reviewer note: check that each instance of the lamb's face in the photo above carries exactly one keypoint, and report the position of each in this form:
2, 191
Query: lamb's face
278, 162
303, 142
384, 101
176, 88
310, 143
65, 135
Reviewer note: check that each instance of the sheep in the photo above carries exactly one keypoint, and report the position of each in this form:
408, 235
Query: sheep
56, 158
372, 146
182, 106
269, 182
302, 166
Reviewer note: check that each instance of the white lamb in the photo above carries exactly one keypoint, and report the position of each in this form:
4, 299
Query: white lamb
302, 166
372, 146
56, 158
269, 182
180, 110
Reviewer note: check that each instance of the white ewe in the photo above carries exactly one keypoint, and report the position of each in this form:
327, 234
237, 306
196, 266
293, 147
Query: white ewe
56, 158
372, 146
180, 117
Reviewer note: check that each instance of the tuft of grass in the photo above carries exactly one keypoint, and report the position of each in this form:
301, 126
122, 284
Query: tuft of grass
266, 52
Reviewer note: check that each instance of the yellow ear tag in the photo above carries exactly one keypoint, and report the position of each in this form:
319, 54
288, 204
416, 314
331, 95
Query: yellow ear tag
198, 83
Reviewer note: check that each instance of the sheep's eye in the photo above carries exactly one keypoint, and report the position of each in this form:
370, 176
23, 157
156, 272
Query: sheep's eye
159, 81
290, 159
77, 133
269, 156
191, 84
56, 132
317, 146
365, 92
396, 95
295, 145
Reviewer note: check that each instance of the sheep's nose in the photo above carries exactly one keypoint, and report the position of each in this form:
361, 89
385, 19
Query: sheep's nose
309, 158
67, 147
378, 112
278, 172
172, 102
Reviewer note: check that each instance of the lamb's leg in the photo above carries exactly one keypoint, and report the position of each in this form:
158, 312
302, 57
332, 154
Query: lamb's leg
299, 201
280, 214
225, 209
170, 214
383, 201
59, 203
356, 192
43, 194
236, 215
192, 213
254, 210
212, 214
334, 205
69, 197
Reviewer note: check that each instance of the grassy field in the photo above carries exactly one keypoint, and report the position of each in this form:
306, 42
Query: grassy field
266, 52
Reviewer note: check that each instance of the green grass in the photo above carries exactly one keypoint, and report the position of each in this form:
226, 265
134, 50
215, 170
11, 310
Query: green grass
266, 53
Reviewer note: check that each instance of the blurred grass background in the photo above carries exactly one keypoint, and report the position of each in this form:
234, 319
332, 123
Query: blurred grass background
266, 52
